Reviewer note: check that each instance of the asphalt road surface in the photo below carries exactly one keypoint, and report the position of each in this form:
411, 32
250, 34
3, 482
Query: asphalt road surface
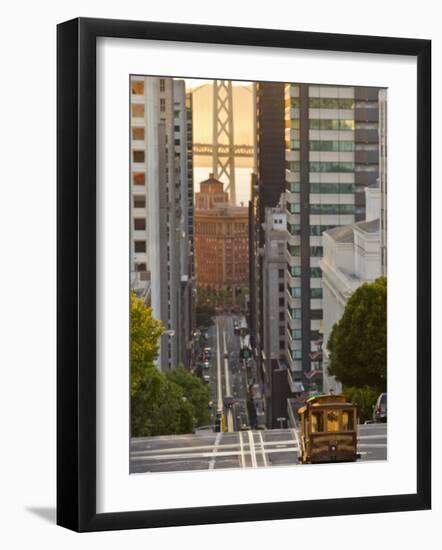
243, 449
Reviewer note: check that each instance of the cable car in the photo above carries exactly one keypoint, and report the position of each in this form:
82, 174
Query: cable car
328, 430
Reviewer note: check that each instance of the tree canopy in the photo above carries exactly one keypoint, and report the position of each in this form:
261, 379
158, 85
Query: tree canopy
160, 404
145, 332
195, 391
358, 341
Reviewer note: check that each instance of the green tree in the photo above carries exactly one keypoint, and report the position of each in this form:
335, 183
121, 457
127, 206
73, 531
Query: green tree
195, 391
145, 332
158, 405
358, 341
364, 398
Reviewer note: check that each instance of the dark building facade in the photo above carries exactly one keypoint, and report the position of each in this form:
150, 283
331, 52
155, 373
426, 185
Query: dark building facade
267, 185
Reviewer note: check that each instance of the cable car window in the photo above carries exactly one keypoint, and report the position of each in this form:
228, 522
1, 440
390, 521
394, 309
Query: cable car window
332, 421
317, 422
347, 421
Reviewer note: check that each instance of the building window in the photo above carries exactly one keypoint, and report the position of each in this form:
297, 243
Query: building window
293, 165
139, 178
294, 187
332, 209
140, 267
294, 228
162, 85
162, 104
281, 287
294, 207
137, 133
334, 188
294, 250
294, 270
138, 156
281, 316
315, 272
177, 142
297, 354
138, 110
137, 87
341, 146
296, 313
140, 246
295, 292
316, 314
316, 251
281, 344
331, 124
139, 201
293, 144
281, 273
281, 302
281, 331
296, 334
331, 103
332, 167
316, 293
140, 224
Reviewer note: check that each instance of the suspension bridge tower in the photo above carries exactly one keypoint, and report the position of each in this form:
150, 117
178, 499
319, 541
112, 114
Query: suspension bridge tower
223, 139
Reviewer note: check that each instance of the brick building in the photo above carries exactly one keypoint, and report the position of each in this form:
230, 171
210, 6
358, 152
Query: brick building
221, 238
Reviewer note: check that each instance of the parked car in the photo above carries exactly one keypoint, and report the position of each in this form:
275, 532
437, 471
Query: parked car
380, 409
206, 378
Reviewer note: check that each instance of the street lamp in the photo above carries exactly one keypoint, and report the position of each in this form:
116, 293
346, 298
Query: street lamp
169, 333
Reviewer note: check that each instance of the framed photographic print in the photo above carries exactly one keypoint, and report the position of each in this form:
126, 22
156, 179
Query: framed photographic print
243, 274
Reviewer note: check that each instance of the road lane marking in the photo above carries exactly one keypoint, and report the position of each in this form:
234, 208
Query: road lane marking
179, 456
226, 364
241, 449
277, 444
215, 449
262, 449
218, 368
252, 450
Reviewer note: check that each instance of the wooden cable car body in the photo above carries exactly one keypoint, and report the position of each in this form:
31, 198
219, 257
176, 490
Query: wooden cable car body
328, 430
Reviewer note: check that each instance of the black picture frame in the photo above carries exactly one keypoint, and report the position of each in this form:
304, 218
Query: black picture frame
76, 273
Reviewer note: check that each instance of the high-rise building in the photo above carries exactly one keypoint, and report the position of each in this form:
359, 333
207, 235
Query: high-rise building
221, 239
268, 182
158, 179
331, 156
274, 371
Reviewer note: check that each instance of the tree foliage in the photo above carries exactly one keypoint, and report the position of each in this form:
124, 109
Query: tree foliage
364, 398
145, 332
195, 391
358, 342
158, 405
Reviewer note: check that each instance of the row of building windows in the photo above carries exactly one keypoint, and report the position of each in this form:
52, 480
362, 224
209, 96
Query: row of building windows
325, 124
332, 209
296, 334
321, 103
295, 250
295, 208
295, 271
295, 166
322, 187
320, 145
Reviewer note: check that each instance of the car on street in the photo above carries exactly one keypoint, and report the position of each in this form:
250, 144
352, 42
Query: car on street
380, 409
206, 378
206, 365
